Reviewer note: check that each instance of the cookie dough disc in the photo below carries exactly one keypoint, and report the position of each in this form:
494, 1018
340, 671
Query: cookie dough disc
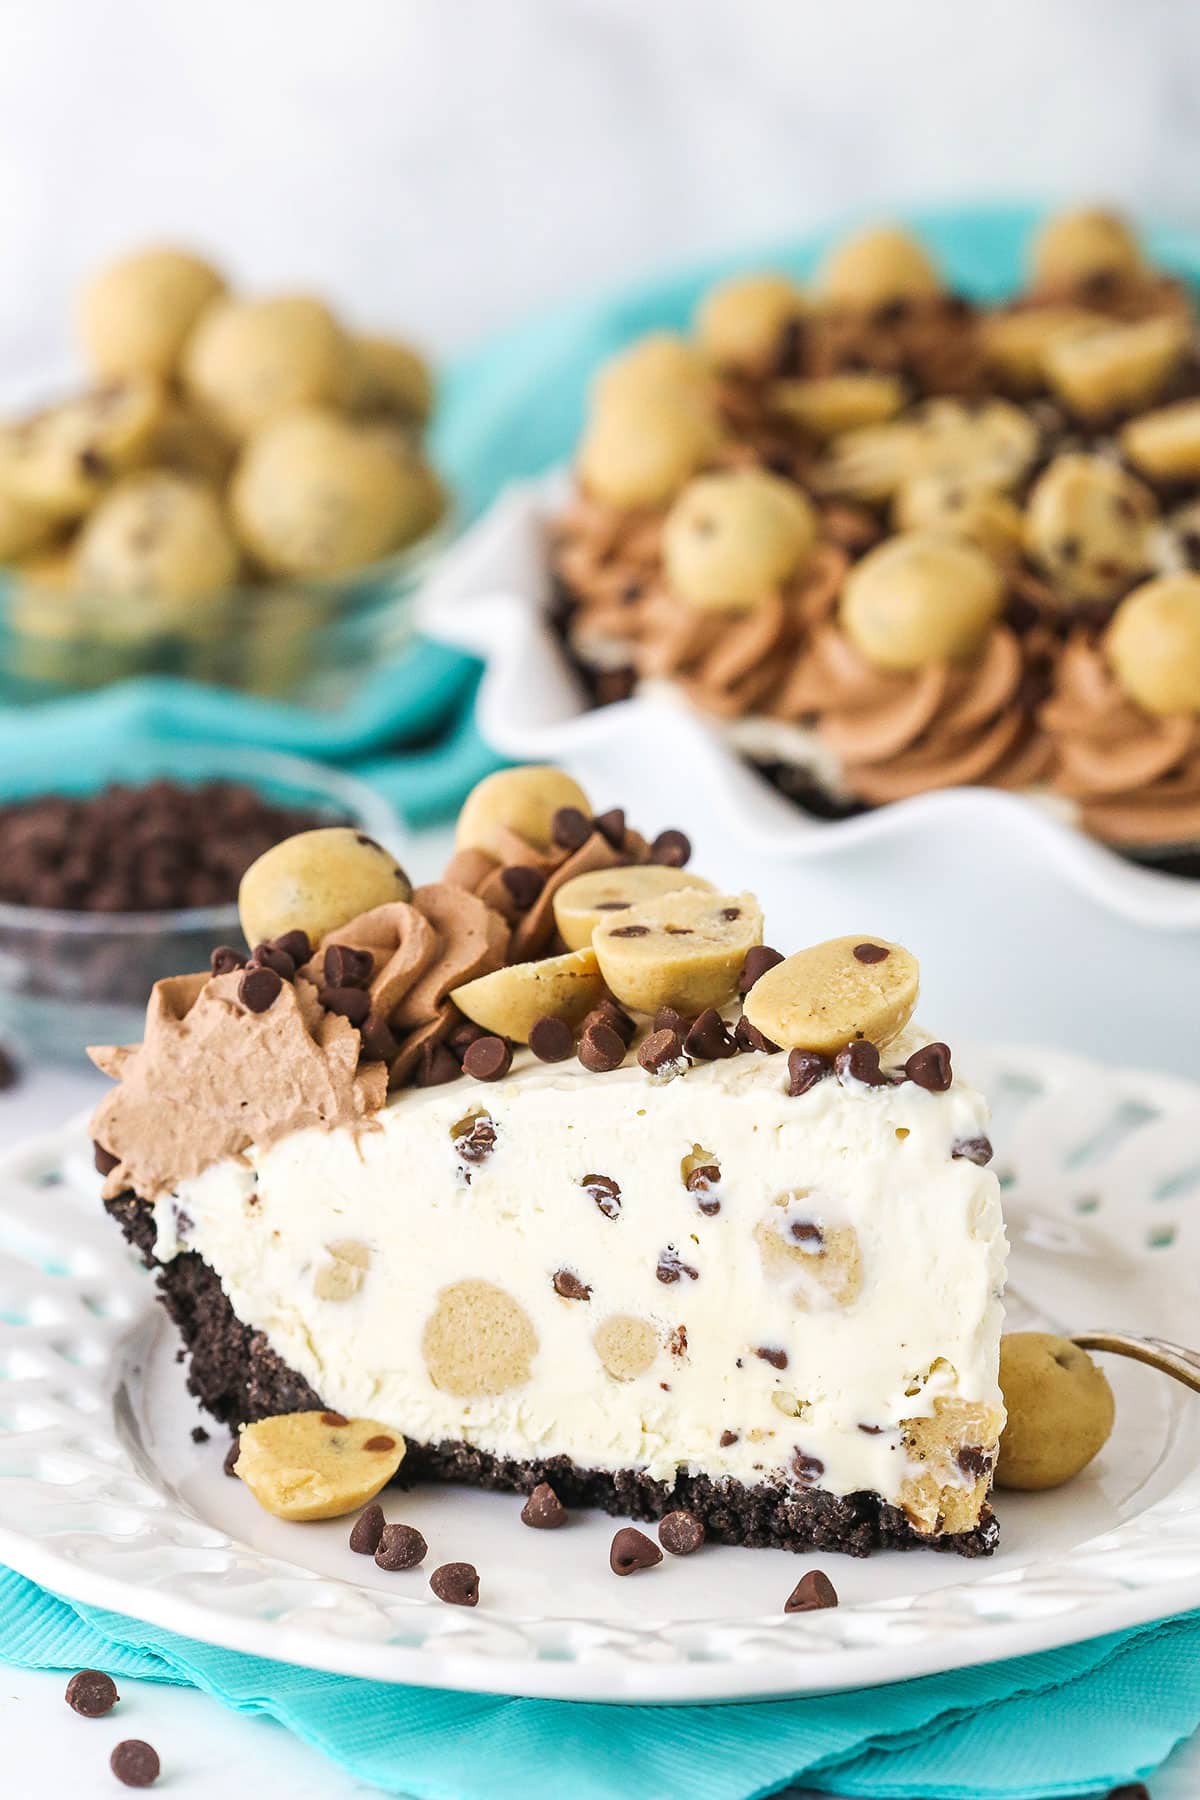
315, 495
135, 314
248, 361
158, 534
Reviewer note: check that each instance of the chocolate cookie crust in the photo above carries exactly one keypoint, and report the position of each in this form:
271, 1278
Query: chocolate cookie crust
238, 1378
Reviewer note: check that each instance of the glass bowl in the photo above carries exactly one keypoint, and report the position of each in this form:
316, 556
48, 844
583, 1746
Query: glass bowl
69, 979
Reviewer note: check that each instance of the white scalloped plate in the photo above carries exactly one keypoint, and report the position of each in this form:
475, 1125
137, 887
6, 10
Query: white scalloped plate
489, 596
104, 1496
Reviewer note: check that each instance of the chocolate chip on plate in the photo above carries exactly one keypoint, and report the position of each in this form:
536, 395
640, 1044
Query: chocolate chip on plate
92, 1693
135, 1763
488, 1059
367, 1530
805, 1069
632, 1550
403, 1547
601, 1049
543, 1510
551, 1039
930, 1068
812, 1593
457, 1583
671, 848
681, 1533
759, 959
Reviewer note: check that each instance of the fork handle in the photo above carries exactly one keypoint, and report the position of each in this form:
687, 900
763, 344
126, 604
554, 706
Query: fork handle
1171, 1359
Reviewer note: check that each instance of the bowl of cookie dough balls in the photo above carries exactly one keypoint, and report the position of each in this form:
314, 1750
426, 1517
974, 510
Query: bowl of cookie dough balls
240, 495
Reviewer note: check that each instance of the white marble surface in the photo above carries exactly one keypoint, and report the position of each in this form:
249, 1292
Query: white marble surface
445, 166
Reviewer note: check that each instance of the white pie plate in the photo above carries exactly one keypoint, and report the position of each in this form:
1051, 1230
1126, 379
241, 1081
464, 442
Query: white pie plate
105, 1498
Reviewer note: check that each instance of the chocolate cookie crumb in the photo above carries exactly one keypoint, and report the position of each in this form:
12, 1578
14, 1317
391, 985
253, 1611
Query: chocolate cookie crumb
632, 1550
135, 1763
727, 1438
199, 1435
403, 1547
543, 1510
681, 1533
812, 1593
457, 1583
91, 1693
367, 1530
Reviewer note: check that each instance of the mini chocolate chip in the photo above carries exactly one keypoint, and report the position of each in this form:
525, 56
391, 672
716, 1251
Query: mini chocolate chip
731, 913
135, 1763
378, 1040
681, 1533
601, 1049
808, 1468
436, 1065
543, 1510
296, 944
334, 1418
570, 1287
672, 849
930, 1068
570, 829
400, 1547
613, 905
367, 1530
199, 1435
267, 956
701, 1180
464, 1034
748, 1037
671, 1267
231, 1456
478, 1143
659, 1050
812, 1593
611, 826
381, 1441
488, 1059
667, 1019
778, 1359
1129, 1790
974, 1461
632, 1550
457, 1583
259, 989
607, 1012
348, 968
709, 1039
104, 1159
726, 1438
630, 931
871, 1430
605, 1192
805, 1069
551, 1039
806, 1231
871, 953
860, 1062
759, 958
523, 884
353, 1003
225, 959
977, 1150
92, 1693
1068, 549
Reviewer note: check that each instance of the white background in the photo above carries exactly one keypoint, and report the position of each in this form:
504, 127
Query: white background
440, 166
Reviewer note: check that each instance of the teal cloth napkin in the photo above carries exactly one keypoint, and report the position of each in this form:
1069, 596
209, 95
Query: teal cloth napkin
1073, 1721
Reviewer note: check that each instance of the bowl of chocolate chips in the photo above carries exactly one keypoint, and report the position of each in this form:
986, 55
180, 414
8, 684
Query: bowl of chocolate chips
127, 870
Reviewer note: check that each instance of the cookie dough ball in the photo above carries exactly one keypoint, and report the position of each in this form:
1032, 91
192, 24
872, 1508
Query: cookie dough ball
940, 503
135, 314
61, 460
389, 379
920, 598
315, 882
1075, 247
1060, 1410
187, 443
744, 324
662, 363
1166, 444
315, 495
732, 537
1111, 371
875, 266
1087, 526
517, 803
990, 444
421, 498
23, 528
639, 451
250, 360
1153, 645
157, 534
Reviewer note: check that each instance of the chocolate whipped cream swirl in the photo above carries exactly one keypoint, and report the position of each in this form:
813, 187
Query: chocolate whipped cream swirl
1134, 777
946, 725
